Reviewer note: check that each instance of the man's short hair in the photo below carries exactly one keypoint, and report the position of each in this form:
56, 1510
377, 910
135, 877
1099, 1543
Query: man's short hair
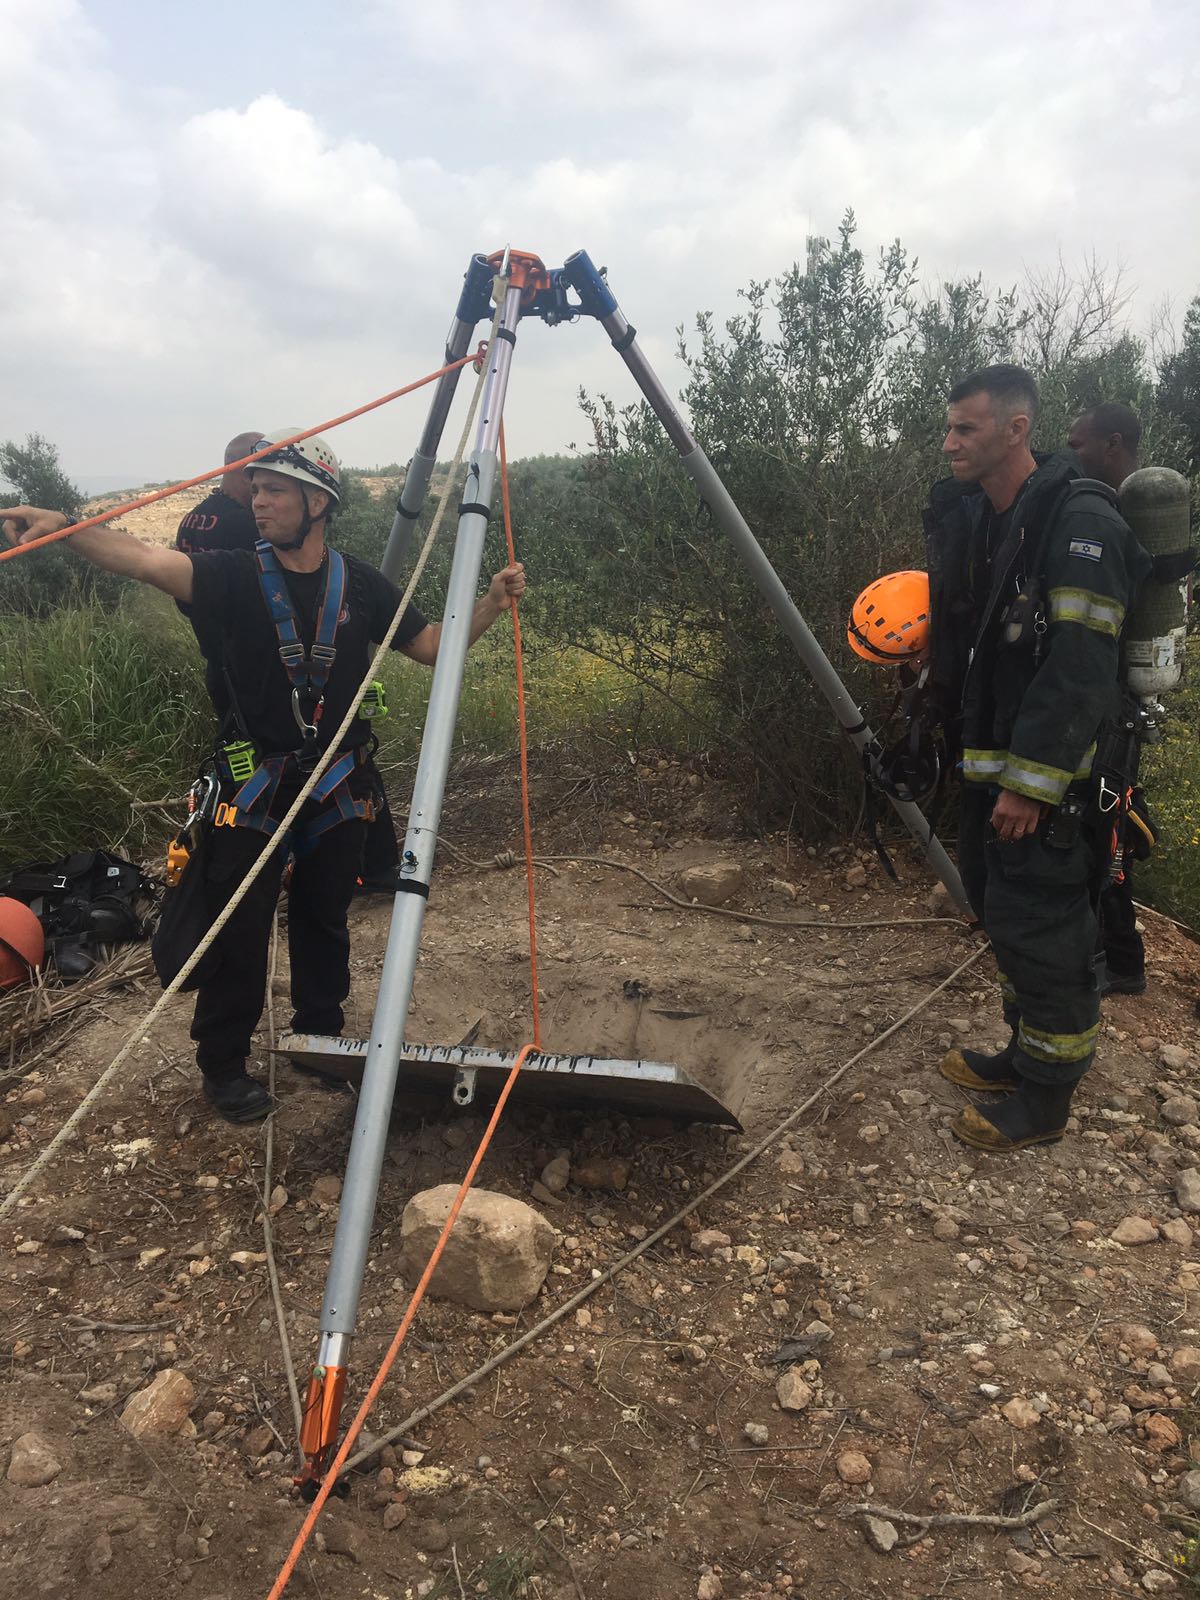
1010, 387
1109, 418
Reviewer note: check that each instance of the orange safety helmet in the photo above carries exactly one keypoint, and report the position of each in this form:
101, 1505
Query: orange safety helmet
22, 942
889, 622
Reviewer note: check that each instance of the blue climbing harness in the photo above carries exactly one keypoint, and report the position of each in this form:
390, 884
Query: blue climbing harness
308, 673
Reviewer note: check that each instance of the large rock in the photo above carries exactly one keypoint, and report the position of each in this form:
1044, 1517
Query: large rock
160, 1408
34, 1461
712, 884
496, 1257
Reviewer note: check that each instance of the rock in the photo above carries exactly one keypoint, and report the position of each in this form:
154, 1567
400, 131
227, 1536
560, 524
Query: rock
161, 1408
853, 1467
1189, 1490
496, 1257
100, 1394
710, 1587
1133, 1231
429, 1536
326, 1190
1177, 1111
1187, 1189
755, 1433
1158, 1581
258, 1441
856, 876
938, 901
243, 1260
1157, 1376
881, 1535
33, 1462
425, 1482
341, 1535
556, 1174
1177, 1231
602, 1172
706, 1241
1018, 1563
99, 1555
1161, 1432
393, 1515
1020, 1413
860, 1215
1174, 1057
713, 884
1138, 1338
1185, 1363
792, 1392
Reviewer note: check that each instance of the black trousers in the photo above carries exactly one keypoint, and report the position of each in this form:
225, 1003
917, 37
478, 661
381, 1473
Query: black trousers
1123, 946
1037, 900
230, 1002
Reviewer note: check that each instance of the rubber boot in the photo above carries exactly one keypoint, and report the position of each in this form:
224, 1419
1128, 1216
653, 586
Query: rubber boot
1036, 1114
970, 1069
237, 1097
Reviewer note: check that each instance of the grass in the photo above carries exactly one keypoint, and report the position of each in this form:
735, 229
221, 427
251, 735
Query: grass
102, 705
1170, 880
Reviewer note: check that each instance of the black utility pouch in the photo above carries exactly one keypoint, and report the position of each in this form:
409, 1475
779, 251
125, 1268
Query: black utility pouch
1064, 827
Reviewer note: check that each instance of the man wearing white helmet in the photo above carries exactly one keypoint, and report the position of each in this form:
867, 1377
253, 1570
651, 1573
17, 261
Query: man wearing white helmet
294, 622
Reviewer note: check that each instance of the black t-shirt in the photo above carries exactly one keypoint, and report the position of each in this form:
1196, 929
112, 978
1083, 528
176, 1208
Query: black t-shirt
231, 622
218, 523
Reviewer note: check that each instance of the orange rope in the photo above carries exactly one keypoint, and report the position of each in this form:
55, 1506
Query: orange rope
523, 740
418, 1294
232, 466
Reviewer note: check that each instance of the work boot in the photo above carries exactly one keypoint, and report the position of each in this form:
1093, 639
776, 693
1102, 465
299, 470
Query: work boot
238, 1098
1124, 983
1036, 1114
971, 1069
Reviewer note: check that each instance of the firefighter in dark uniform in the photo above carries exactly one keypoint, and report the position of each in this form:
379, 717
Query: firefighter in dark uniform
298, 620
1106, 441
224, 521
1030, 580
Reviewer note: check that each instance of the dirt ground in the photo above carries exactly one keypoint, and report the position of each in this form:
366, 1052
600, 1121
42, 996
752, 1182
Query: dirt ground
973, 1339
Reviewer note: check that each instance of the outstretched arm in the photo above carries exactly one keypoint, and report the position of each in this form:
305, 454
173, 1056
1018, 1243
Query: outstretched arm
110, 548
504, 588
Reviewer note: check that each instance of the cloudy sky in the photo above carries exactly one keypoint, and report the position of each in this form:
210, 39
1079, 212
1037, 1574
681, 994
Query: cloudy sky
217, 216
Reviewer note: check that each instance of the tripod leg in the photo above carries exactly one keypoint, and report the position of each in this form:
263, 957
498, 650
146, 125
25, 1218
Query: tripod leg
474, 303
339, 1311
598, 301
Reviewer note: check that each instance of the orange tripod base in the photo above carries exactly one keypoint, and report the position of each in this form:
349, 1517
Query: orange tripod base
322, 1416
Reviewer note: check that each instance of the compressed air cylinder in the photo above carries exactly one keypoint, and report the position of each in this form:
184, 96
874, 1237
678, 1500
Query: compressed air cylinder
1154, 502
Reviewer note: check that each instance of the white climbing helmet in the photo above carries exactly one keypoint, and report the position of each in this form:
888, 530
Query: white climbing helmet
311, 461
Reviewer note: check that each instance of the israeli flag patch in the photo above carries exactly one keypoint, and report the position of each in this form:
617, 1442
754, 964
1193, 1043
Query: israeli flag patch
1089, 549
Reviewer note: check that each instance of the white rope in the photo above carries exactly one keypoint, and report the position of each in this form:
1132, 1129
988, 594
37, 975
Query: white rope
105, 1078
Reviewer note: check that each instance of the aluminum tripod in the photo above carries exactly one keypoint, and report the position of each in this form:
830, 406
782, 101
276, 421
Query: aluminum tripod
530, 290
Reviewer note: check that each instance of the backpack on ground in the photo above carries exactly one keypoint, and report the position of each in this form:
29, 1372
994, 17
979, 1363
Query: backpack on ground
84, 900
